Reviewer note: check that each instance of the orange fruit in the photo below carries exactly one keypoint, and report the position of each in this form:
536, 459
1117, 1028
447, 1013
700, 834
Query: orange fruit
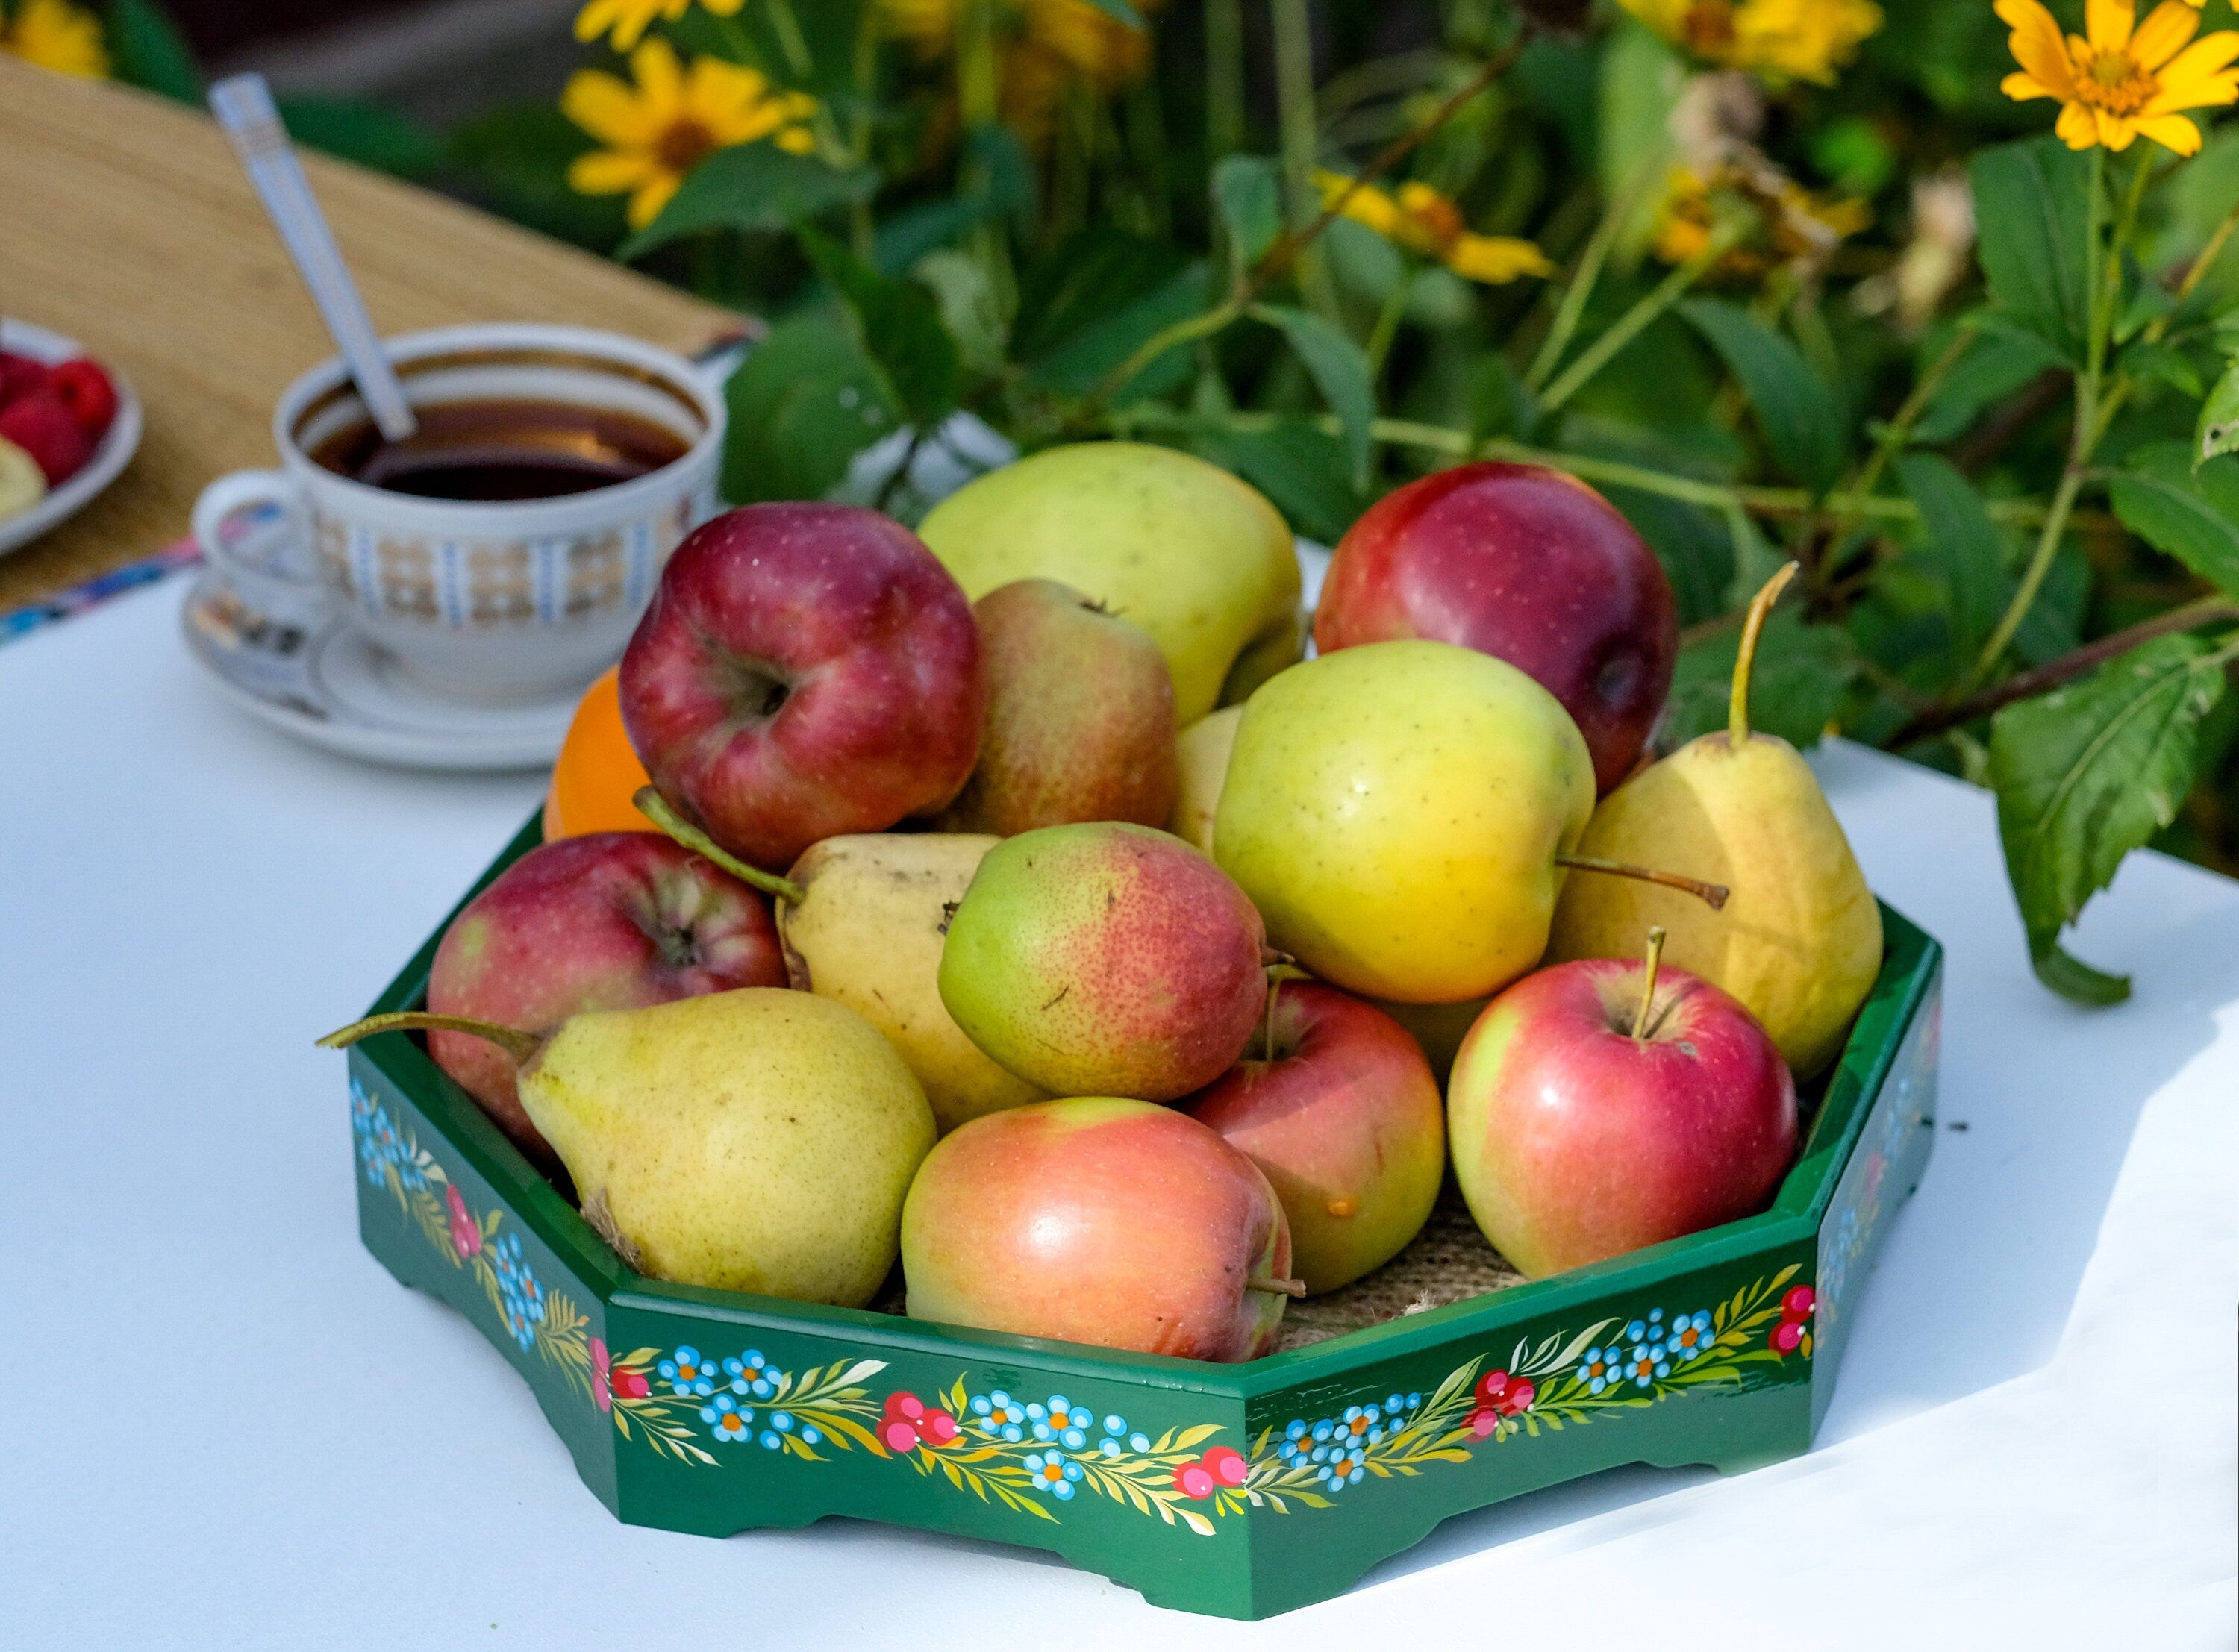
598, 772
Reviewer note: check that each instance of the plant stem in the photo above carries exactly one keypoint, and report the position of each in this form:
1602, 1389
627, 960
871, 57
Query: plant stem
1294, 100
866, 67
1276, 1287
2040, 564
655, 808
1941, 719
1648, 982
1388, 319
1224, 77
1713, 895
787, 28
1628, 326
1182, 332
522, 1046
1893, 434
1589, 271
1737, 727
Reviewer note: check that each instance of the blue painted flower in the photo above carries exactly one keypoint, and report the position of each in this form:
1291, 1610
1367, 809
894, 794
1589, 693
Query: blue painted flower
1053, 1472
998, 1414
1689, 1336
1646, 1330
1065, 1423
1600, 1369
1644, 1363
749, 1373
521, 1299
1115, 1437
727, 1420
380, 1146
781, 1421
687, 1374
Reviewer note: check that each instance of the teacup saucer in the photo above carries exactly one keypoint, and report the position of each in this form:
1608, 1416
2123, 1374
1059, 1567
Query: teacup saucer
302, 669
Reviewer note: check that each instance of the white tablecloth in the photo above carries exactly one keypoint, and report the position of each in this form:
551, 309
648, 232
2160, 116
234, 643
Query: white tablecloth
222, 1425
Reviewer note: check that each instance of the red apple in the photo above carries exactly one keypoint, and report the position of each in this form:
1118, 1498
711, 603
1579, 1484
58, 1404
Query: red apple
805, 671
1531, 566
1574, 1140
612, 920
1122, 1223
1344, 1123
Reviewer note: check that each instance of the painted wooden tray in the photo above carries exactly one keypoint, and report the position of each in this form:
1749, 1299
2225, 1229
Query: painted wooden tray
1240, 1490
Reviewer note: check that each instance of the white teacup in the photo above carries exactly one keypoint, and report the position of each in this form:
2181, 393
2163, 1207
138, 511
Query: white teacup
489, 601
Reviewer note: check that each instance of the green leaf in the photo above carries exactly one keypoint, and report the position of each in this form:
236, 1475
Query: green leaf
1094, 341
150, 51
751, 186
803, 404
1803, 672
898, 327
2160, 364
1121, 11
1340, 371
2054, 625
1695, 546
2192, 515
2218, 429
2031, 207
1247, 190
1965, 544
1796, 411
364, 134
2086, 773
1301, 469
2001, 361
1084, 284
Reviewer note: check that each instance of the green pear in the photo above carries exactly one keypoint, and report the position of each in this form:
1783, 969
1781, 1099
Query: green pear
1202, 753
1197, 558
1396, 812
1438, 1028
1080, 716
760, 1140
1800, 941
868, 933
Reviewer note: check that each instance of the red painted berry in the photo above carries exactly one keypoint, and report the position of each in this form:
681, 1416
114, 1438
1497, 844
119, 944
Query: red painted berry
1518, 1398
630, 1385
1484, 1421
1194, 1480
1490, 1386
1798, 1303
900, 1437
84, 390
1227, 1465
904, 1404
1786, 1335
939, 1427
43, 427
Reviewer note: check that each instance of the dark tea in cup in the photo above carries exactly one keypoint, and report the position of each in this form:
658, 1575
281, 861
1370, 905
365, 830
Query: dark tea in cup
495, 450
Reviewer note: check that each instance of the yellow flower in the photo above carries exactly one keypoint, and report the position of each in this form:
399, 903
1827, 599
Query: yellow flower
1781, 40
628, 20
672, 120
1041, 48
2121, 78
1799, 227
55, 34
1425, 222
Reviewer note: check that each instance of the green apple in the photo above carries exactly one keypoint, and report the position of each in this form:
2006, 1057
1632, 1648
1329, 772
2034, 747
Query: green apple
1395, 811
1195, 557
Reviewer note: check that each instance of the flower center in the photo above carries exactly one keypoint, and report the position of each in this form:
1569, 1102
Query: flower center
1435, 217
683, 145
1708, 27
2110, 81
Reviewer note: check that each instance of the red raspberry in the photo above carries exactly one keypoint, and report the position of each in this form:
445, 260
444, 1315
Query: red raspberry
19, 376
43, 427
84, 390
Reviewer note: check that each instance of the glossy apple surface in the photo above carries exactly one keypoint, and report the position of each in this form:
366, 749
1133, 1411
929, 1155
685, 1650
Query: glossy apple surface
805, 670
1344, 1123
1574, 1141
1121, 1224
1527, 564
612, 920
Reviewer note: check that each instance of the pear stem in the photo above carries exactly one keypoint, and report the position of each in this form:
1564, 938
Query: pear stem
1276, 1287
515, 1042
1648, 983
1713, 895
1737, 728
1281, 968
655, 808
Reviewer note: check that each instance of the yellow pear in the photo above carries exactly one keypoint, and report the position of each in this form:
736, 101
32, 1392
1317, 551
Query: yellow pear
1799, 940
868, 933
1202, 750
1196, 557
761, 1140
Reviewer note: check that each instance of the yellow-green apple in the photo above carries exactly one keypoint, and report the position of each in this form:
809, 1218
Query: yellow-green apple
805, 670
612, 920
1528, 564
1080, 716
1196, 557
1583, 1127
1340, 1111
1395, 811
1105, 959
1099, 1220
1202, 752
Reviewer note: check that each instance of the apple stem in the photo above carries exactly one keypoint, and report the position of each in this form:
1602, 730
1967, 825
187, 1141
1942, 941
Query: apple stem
515, 1042
1737, 728
655, 808
1648, 983
1281, 968
1276, 1287
1713, 895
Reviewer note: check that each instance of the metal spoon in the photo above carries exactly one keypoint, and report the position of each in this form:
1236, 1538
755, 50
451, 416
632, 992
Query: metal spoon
244, 109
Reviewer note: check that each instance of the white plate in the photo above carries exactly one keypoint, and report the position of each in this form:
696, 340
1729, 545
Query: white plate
118, 443
307, 673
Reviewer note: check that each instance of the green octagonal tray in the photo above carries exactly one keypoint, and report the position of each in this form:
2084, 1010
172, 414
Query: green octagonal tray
1239, 1490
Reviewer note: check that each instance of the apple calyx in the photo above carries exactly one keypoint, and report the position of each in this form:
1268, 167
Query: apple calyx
1640, 1017
657, 809
522, 1046
1737, 728
1276, 1287
1713, 895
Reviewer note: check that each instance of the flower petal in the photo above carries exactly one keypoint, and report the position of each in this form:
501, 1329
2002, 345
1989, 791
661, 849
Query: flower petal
606, 109
660, 80
2173, 132
2076, 127
2164, 34
645, 206
2116, 131
2022, 87
2038, 46
2197, 79
1495, 259
610, 172
2108, 22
